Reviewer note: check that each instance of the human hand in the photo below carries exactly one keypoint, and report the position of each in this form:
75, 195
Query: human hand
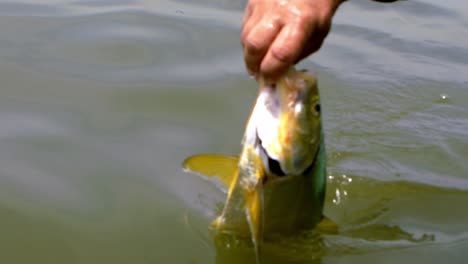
279, 33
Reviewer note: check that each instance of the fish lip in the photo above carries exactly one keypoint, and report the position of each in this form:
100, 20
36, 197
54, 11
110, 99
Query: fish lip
273, 166
268, 162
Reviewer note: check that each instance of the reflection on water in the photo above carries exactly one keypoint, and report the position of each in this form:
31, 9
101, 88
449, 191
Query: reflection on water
101, 101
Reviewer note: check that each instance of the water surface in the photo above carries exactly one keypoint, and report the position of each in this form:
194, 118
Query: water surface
100, 102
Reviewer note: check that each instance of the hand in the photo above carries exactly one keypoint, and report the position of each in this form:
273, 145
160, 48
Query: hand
279, 33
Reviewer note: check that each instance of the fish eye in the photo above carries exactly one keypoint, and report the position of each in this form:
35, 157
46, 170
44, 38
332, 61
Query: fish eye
317, 108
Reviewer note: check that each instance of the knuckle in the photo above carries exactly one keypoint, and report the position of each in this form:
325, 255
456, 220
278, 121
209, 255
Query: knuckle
308, 25
307, 17
313, 19
244, 35
283, 53
252, 44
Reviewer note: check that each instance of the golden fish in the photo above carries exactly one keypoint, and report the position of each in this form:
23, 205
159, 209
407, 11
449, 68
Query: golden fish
277, 185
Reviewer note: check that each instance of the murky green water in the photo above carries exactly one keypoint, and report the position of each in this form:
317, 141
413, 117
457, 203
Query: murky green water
100, 101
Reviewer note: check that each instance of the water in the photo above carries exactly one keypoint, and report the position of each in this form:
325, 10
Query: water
100, 103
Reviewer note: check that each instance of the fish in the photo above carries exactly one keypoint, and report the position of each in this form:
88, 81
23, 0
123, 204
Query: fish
277, 184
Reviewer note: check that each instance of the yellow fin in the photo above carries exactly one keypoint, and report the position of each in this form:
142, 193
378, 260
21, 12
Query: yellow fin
213, 166
327, 226
254, 210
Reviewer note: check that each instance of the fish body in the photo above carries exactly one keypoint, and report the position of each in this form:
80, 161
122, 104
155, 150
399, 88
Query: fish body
277, 185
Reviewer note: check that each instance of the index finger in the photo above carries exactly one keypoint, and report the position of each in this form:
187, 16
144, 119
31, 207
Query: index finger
258, 41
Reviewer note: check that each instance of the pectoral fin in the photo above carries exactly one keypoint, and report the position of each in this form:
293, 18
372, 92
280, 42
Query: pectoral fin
213, 166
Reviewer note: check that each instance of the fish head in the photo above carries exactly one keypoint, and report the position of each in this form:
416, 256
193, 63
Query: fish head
289, 130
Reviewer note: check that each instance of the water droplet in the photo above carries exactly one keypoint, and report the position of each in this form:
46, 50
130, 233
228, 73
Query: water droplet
443, 98
337, 200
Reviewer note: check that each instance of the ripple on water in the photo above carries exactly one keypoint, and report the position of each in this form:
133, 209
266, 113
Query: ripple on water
21, 136
109, 42
25, 8
128, 46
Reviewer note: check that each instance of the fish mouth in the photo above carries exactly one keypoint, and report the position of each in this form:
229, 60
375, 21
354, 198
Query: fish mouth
273, 166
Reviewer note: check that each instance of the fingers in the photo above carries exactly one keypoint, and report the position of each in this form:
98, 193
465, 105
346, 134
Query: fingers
275, 35
286, 50
257, 41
